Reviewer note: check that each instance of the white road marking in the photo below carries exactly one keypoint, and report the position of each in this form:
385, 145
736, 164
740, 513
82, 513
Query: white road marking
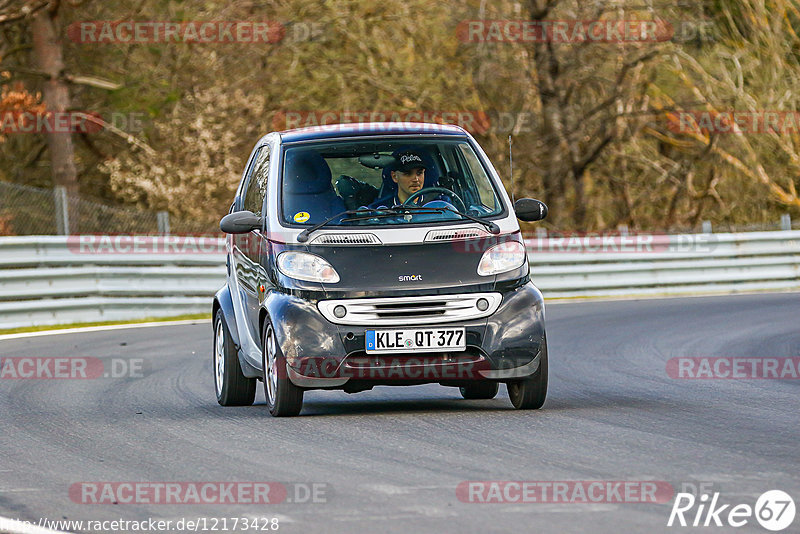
390, 489
102, 328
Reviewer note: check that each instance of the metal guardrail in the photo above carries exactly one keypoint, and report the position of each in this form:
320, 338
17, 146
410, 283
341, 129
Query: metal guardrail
57, 279
665, 265
48, 280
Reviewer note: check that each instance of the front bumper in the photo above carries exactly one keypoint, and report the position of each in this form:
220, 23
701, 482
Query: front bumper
320, 354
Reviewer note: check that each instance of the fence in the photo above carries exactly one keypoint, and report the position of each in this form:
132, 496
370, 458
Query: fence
56, 280
26, 210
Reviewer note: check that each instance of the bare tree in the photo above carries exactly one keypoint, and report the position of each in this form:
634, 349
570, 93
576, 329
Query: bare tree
49, 58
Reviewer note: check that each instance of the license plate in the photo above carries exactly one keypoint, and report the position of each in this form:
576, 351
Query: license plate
416, 340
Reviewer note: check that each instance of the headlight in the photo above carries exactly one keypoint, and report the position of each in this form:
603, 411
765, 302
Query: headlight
501, 258
305, 266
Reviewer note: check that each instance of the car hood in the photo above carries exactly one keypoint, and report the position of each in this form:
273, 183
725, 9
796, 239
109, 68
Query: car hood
426, 268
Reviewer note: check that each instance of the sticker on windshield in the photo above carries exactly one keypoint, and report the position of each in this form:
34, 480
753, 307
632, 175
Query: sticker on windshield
301, 216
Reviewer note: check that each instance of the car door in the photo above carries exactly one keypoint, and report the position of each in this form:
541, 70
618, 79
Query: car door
249, 272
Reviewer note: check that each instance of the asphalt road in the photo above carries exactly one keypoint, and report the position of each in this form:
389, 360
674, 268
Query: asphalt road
391, 459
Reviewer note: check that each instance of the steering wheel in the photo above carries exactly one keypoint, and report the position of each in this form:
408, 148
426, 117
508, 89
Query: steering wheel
460, 206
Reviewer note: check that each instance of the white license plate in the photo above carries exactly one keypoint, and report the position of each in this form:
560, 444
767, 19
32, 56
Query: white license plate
416, 340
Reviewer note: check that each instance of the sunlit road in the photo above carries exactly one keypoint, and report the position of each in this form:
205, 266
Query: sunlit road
392, 458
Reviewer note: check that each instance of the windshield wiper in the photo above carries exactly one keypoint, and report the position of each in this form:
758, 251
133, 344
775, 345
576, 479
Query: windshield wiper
491, 226
371, 213
395, 211
302, 237
399, 210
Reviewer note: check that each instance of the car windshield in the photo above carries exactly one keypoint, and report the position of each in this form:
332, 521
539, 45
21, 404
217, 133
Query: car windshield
324, 179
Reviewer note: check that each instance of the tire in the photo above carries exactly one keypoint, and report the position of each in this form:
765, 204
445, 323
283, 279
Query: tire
284, 399
481, 390
231, 386
530, 393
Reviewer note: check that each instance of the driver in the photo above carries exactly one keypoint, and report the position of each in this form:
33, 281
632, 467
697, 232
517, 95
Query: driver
409, 175
408, 172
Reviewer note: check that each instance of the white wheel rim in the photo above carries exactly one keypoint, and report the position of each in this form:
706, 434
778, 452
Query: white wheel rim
272, 371
219, 358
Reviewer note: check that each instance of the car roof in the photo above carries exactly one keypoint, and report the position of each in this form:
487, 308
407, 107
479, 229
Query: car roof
368, 129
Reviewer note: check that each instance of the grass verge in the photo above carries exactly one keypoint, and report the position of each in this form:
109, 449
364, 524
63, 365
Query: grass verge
23, 329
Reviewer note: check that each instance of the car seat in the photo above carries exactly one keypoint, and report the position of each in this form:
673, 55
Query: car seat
307, 187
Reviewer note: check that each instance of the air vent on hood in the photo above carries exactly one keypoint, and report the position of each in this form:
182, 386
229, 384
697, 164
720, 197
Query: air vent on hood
456, 234
346, 239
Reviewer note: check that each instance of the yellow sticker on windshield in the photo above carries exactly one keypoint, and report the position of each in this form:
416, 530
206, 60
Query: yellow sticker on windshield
301, 217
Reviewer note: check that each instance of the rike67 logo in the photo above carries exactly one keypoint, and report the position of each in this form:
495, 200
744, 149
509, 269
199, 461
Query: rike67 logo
774, 510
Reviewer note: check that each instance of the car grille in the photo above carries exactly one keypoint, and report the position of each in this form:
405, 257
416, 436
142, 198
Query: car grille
410, 310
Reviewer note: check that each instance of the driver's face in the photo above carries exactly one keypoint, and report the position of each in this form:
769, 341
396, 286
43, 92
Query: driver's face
408, 182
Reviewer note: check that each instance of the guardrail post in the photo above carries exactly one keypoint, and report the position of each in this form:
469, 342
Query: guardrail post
163, 222
62, 209
706, 228
541, 233
786, 222
622, 229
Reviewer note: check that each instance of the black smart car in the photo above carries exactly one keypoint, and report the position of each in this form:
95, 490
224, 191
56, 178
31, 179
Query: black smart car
376, 254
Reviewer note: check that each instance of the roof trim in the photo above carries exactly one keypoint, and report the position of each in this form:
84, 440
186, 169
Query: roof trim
368, 129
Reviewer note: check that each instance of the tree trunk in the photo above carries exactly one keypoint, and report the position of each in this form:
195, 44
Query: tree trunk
49, 59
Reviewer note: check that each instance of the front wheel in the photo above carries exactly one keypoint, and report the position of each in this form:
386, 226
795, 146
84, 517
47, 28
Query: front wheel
284, 399
530, 393
232, 387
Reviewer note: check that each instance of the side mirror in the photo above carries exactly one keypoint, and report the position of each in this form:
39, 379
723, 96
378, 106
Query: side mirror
240, 222
530, 209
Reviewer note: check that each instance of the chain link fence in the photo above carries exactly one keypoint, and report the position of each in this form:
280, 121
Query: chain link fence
26, 210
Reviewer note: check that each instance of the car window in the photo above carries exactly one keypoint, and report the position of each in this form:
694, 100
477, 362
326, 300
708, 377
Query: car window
322, 179
350, 166
478, 180
257, 186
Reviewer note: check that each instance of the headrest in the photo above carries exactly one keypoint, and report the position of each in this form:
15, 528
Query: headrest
355, 192
306, 173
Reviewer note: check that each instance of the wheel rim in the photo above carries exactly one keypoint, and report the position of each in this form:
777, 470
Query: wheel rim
272, 372
219, 358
